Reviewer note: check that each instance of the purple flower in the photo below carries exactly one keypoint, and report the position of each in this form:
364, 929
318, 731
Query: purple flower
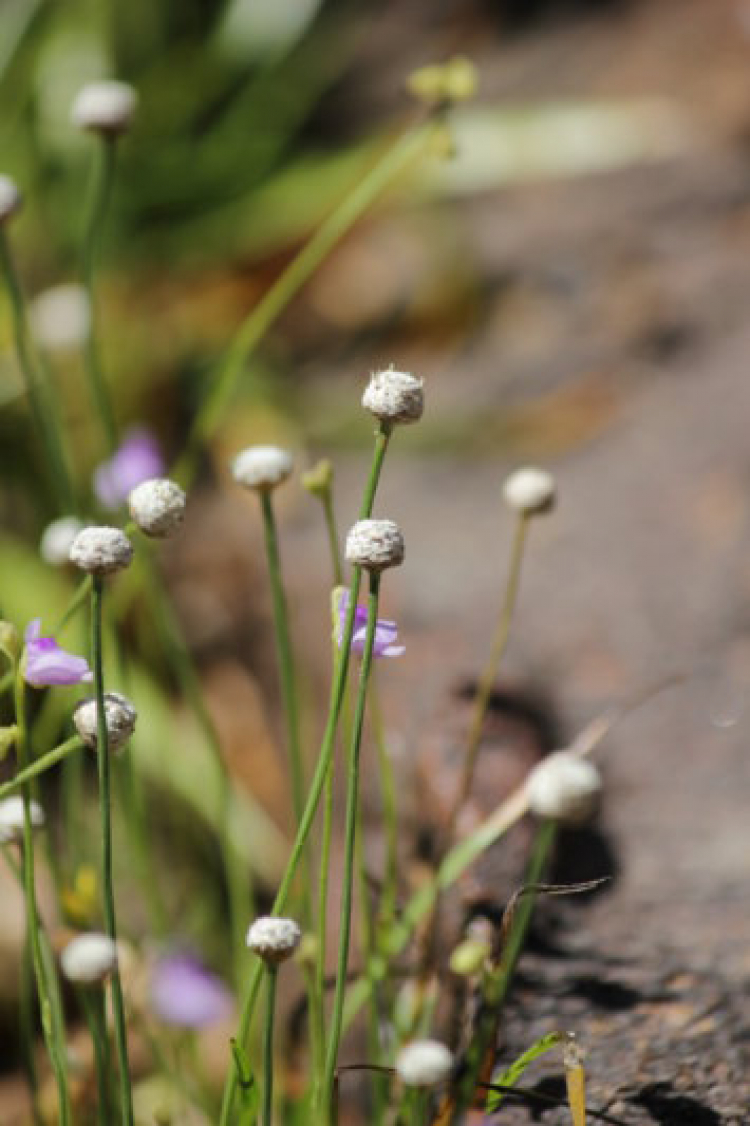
47, 664
138, 459
186, 994
386, 633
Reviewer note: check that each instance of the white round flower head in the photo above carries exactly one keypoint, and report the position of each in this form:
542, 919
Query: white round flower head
89, 959
61, 317
10, 198
121, 718
104, 107
57, 540
101, 550
424, 1063
394, 396
530, 491
11, 818
565, 787
375, 545
273, 939
157, 506
262, 467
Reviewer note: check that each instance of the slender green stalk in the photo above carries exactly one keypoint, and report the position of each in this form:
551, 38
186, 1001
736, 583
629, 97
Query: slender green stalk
40, 765
286, 665
333, 537
321, 772
41, 410
55, 1048
92, 1002
101, 188
26, 1023
489, 673
387, 905
78, 599
350, 840
105, 804
267, 1115
394, 162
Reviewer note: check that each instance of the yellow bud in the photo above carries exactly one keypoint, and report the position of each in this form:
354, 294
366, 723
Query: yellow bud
469, 957
319, 479
10, 641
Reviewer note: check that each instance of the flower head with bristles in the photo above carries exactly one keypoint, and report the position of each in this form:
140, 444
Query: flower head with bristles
12, 815
273, 939
89, 959
375, 545
104, 107
424, 1063
394, 396
120, 717
564, 787
530, 491
262, 467
101, 550
158, 507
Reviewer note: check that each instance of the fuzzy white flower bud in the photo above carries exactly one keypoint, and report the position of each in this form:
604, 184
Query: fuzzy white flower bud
262, 467
394, 396
10, 198
11, 818
57, 540
375, 545
104, 107
89, 959
157, 506
424, 1063
120, 715
565, 787
101, 550
61, 317
273, 939
530, 491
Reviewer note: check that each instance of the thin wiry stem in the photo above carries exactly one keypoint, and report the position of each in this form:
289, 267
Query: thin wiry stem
267, 1114
55, 1047
321, 772
352, 798
101, 188
105, 806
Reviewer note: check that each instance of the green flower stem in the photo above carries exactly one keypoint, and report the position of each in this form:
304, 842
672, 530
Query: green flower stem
92, 1002
333, 537
26, 1023
387, 905
55, 1046
286, 673
267, 1115
489, 673
496, 985
105, 803
50, 432
350, 841
321, 772
100, 191
78, 599
40, 765
396, 160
